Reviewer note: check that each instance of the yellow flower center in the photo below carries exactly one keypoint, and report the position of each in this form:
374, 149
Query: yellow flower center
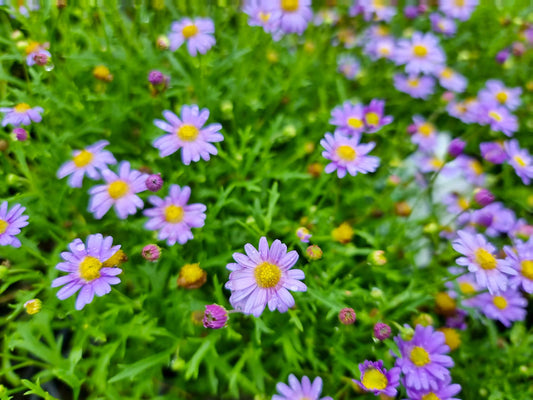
452, 338
22, 107
420, 50
384, 51
413, 82
33, 306
527, 265
289, 5
346, 153
264, 16
484, 259
90, 268
355, 122
519, 160
425, 129
83, 158
372, 118
101, 72
191, 273
495, 116
447, 73
476, 167
445, 303
267, 275
32, 47
419, 356
378, 3
117, 189
463, 203
502, 97
460, 3
436, 163
174, 214
3, 226
187, 133
432, 396
343, 233
189, 31
500, 302
466, 288
115, 260
374, 380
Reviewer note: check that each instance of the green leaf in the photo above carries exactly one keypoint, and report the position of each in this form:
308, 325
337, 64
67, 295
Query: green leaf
132, 370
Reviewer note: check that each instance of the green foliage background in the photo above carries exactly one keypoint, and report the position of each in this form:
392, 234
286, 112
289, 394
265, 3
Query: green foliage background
140, 341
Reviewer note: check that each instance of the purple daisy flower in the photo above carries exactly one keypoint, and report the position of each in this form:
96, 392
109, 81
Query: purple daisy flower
496, 91
374, 10
376, 379
40, 54
446, 391
380, 47
420, 54
498, 117
425, 133
460, 110
86, 161
506, 307
348, 66
197, 32
460, 10
264, 277
443, 25
495, 218
188, 134
10, 223
466, 285
471, 168
347, 155
87, 269
263, 13
520, 160
374, 116
478, 257
493, 152
305, 390
349, 118
173, 217
520, 258
295, 15
452, 80
21, 114
418, 87
422, 359
119, 191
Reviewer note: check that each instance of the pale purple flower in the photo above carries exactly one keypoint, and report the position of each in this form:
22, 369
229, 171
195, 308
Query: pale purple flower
425, 133
173, 217
446, 391
493, 152
478, 257
349, 118
303, 234
295, 15
373, 10
348, 66
458, 9
462, 110
464, 287
456, 203
264, 277
506, 307
520, 258
264, 13
374, 116
520, 160
418, 87
326, 16
197, 32
442, 24
471, 168
380, 47
420, 54
39, 57
410, 12
87, 161
376, 379
300, 390
119, 192
495, 218
498, 117
188, 134
423, 359
87, 269
496, 91
347, 155
10, 223
451, 80
21, 114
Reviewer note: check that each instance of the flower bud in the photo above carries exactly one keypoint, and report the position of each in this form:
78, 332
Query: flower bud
313, 252
151, 252
423, 319
33, 306
377, 258
162, 42
347, 316
502, 56
406, 333
156, 77
444, 304
314, 169
21, 134
215, 316
154, 182
483, 197
381, 331
456, 147
402, 209
303, 234
410, 12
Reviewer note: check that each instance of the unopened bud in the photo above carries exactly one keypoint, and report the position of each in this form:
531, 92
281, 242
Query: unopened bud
154, 182
347, 316
215, 316
377, 258
381, 331
33, 306
151, 252
313, 252
21, 134
483, 197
